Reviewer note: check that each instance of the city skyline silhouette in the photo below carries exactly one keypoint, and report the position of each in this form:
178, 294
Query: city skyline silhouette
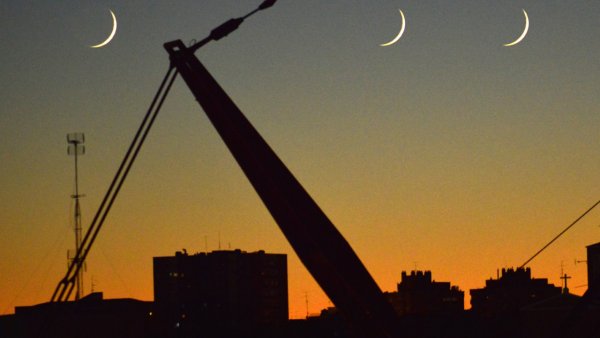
234, 293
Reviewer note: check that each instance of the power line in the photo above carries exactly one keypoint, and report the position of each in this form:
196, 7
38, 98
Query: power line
560, 234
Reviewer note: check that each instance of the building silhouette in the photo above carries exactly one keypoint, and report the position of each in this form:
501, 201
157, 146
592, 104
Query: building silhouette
91, 316
514, 289
568, 315
236, 294
593, 264
418, 293
221, 293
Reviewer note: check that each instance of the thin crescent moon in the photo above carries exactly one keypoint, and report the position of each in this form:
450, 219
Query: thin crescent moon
399, 34
112, 34
522, 34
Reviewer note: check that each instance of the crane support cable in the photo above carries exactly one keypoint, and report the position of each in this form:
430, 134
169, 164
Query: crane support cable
65, 286
560, 234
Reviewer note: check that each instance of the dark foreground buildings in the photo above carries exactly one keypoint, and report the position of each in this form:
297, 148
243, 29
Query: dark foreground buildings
418, 293
221, 293
236, 294
593, 263
231, 294
514, 289
90, 317
518, 305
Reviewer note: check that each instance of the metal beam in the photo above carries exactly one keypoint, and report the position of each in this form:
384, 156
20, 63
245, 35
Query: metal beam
317, 242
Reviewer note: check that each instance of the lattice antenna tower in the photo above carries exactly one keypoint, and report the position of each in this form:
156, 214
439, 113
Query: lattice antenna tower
75, 149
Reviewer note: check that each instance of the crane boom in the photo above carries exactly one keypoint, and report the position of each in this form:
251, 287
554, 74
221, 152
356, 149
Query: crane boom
319, 245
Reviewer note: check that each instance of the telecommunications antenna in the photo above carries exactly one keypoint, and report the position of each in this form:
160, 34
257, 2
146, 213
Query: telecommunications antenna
75, 149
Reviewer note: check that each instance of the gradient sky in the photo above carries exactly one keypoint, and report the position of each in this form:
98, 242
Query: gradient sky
446, 151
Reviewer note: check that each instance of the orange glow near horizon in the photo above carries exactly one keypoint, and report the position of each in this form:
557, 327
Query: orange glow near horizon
110, 275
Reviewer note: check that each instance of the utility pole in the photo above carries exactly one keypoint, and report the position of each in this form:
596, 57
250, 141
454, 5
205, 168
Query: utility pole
75, 149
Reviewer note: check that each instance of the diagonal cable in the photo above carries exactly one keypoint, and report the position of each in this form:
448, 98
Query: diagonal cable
65, 286
560, 234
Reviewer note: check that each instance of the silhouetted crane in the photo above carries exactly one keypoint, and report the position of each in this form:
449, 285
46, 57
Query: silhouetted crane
317, 242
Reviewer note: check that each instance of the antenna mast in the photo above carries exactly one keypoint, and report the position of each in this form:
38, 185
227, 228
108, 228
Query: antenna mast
75, 149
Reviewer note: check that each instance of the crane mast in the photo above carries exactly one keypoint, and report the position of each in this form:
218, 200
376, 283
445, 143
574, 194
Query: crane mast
316, 241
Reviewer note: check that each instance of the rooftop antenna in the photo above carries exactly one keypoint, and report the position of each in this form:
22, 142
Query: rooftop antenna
75, 149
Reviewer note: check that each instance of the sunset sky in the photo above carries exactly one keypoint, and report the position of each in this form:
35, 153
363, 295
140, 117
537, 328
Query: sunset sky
446, 151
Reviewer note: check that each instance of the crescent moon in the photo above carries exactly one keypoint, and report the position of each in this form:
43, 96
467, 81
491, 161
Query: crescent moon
399, 34
112, 34
522, 34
